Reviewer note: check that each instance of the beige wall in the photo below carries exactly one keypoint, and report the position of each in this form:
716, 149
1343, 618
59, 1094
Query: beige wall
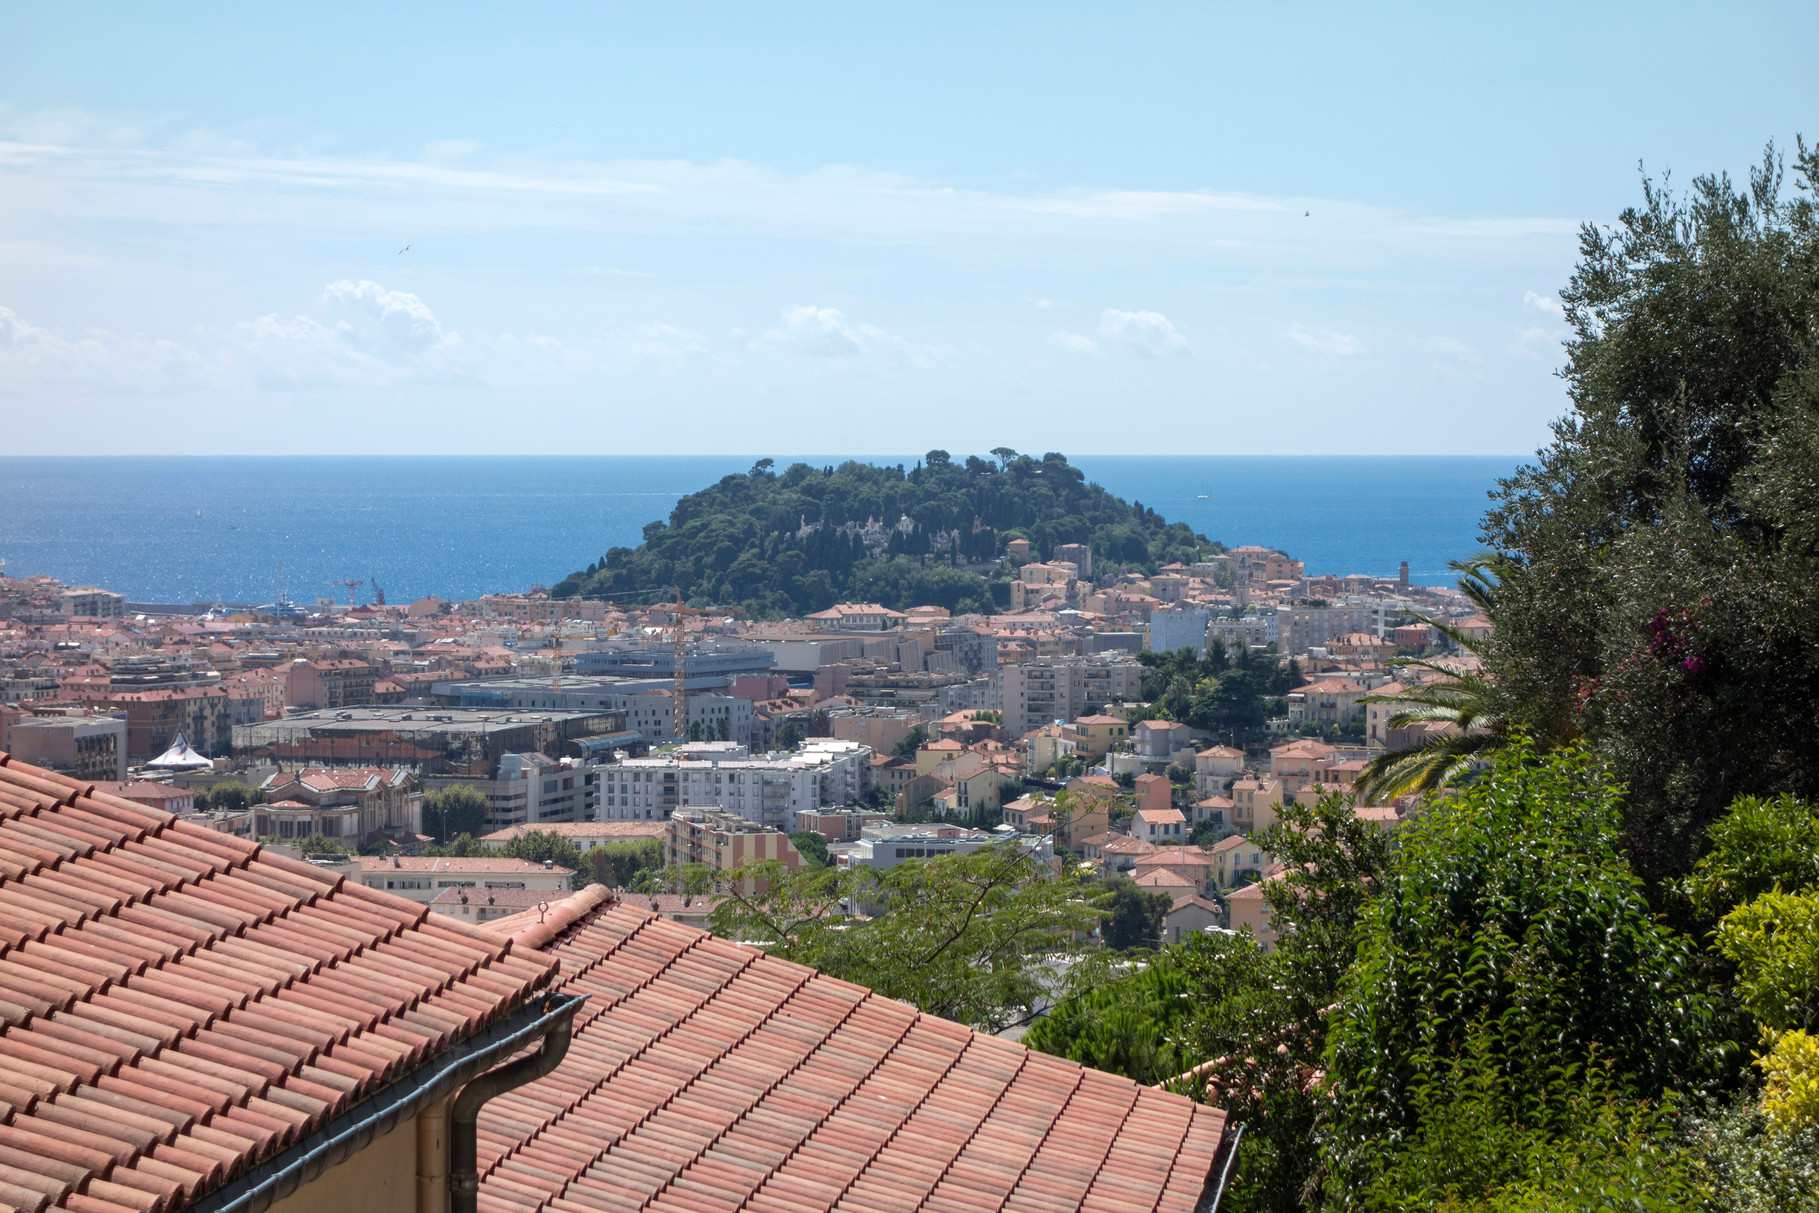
385, 1177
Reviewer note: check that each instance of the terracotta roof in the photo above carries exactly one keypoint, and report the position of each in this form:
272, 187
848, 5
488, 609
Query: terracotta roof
1176, 857
705, 1075
179, 1004
1163, 878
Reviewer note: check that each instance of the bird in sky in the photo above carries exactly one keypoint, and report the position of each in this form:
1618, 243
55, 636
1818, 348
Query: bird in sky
1304, 215
404, 250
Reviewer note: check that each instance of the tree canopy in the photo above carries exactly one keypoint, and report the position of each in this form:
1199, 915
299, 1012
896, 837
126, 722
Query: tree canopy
796, 542
453, 811
969, 937
1662, 553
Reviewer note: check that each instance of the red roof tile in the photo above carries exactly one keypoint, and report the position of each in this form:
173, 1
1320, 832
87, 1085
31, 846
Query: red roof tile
704, 1075
177, 1004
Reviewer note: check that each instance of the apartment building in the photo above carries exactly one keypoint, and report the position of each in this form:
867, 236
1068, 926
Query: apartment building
88, 747
766, 791
1046, 689
90, 603
329, 683
1181, 627
722, 841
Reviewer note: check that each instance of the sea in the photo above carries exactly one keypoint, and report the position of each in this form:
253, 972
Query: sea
181, 530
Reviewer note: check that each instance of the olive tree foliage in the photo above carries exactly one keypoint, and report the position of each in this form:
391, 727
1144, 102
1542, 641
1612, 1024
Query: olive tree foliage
1661, 593
978, 938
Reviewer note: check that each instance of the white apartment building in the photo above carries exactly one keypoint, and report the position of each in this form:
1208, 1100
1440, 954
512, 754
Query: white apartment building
1181, 627
1047, 689
767, 791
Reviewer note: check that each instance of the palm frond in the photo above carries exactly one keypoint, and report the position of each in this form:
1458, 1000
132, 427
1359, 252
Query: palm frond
1435, 763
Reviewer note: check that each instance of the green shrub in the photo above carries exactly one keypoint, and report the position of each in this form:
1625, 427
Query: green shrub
1509, 922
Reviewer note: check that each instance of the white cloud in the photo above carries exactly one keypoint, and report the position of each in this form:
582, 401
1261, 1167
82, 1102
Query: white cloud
1323, 341
391, 324
1544, 303
668, 344
374, 337
825, 332
99, 360
1454, 350
1078, 343
1537, 342
1147, 333
818, 330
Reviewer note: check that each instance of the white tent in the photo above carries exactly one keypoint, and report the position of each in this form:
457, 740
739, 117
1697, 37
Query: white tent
181, 758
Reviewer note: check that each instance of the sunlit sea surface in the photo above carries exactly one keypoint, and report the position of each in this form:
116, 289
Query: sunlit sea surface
182, 530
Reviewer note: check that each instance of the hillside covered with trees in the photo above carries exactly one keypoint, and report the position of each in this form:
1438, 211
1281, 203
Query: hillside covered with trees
800, 541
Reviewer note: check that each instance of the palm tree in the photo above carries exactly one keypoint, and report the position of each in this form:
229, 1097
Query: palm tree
1469, 701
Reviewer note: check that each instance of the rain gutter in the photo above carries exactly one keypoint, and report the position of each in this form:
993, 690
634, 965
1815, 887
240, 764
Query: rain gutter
374, 1117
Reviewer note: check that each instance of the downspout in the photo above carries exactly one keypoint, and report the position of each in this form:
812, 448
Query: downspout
464, 1116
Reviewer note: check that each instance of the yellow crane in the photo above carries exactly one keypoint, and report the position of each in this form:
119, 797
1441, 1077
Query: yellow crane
681, 635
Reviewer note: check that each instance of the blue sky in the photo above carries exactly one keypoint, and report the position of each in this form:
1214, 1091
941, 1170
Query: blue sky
720, 228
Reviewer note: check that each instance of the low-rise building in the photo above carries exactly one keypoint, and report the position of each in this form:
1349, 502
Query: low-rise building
1301, 764
1188, 915
585, 835
88, 747
1099, 733
156, 795
1161, 740
349, 803
1159, 826
1250, 912
420, 878
1326, 701
891, 845
1236, 859
839, 825
1256, 803
1215, 768
857, 617
1192, 864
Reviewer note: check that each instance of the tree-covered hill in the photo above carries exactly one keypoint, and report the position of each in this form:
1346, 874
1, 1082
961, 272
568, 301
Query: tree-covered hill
801, 541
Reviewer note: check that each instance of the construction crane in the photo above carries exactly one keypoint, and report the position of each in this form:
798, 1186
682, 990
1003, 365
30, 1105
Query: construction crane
351, 587
682, 635
559, 623
378, 594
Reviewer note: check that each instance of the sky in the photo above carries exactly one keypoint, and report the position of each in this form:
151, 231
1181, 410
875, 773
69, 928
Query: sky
717, 228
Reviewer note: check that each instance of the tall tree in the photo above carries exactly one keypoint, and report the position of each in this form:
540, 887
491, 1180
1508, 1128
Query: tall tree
1664, 548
